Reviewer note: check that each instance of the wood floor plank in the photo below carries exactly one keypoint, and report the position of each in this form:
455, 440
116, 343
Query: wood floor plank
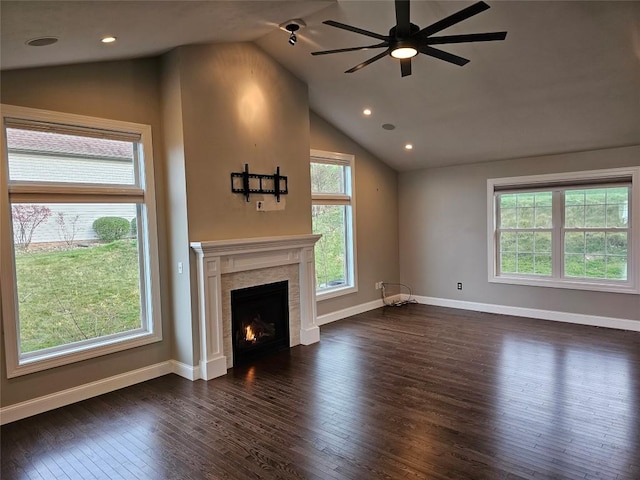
414, 392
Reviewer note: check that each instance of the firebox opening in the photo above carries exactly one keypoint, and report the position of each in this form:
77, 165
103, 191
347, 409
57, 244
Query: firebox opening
259, 320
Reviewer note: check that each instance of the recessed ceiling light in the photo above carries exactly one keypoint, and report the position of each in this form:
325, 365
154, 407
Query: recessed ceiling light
108, 39
408, 146
388, 126
366, 112
41, 41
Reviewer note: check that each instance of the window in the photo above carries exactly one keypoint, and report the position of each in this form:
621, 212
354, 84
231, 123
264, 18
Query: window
333, 217
570, 230
79, 244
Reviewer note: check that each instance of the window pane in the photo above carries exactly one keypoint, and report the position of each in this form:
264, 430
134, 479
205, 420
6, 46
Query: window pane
526, 210
544, 199
617, 268
594, 243
594, 216
526, 200
508, 263
574, 197
617, 243
618, 207
331, 250
574, 216
595, 266
542, 242
526, 217
574, 265
542, 264
596, 196
327, 178
508, 242
574, 242
525, 242
508, 218
71, 285
543, 217
617, 216
597, 208
55, 157
525, 263
508, 200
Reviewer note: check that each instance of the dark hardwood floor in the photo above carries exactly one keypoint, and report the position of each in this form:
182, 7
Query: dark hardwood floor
411, 392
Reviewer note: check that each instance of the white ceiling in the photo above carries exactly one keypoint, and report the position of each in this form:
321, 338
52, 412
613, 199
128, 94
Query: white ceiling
567, 77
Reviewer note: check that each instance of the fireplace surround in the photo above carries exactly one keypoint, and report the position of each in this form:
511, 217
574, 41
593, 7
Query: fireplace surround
227, 265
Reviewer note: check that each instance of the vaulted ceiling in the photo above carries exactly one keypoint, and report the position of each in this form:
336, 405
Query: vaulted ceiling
567, 77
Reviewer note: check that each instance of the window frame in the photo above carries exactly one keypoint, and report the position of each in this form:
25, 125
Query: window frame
566, 182
346, 199
142, 193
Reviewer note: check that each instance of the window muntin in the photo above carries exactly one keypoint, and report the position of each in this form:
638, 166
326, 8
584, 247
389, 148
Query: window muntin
524, 233
333, 218
596, 233
95, 298
575, 232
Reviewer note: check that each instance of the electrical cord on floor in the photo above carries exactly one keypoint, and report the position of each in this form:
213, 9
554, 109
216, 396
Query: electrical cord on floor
397, 303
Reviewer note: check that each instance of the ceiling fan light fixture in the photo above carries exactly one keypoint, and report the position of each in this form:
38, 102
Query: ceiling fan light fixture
404, 52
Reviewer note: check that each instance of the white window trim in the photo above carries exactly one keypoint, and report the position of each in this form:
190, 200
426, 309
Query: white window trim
152, 332
632, 285
349, 198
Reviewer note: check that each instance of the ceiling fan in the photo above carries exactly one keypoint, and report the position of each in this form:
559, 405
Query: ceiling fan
406, 39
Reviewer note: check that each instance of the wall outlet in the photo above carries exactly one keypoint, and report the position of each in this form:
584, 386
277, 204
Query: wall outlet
379, 285
260, 206
459, 285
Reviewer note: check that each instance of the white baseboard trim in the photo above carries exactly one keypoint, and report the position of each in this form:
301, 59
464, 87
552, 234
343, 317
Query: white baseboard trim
185, 371
591, 320
43, 404
347, 312
309, 336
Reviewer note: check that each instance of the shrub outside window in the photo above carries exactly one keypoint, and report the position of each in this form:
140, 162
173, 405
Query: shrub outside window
333, 206
567, 230
79, 242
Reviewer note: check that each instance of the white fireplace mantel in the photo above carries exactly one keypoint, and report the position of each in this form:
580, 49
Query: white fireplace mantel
220, 257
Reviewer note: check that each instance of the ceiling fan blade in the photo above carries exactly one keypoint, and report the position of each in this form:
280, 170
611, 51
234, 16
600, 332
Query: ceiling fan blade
446, 56
471, 37
405, 67
457, 17
356, 30
368, 62
352, 49
403, 25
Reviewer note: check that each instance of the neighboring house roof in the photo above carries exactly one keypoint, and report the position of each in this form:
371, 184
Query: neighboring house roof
48, 142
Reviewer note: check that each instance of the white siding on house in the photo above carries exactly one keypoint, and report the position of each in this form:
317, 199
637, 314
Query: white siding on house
33, 166
51, 231
69, 169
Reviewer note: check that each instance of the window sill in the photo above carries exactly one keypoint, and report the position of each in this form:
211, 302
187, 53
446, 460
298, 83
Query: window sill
327, 294
608, 287
36, 362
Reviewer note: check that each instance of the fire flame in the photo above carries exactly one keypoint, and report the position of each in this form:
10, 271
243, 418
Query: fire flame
249, 336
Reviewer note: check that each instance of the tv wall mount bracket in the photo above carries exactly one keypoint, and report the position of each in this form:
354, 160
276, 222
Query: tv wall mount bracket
247, 183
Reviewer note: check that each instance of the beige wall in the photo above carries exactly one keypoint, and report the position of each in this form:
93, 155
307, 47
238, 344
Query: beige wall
226, 105
127, 91
376, 216
184, 328
443, 235
240, 106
